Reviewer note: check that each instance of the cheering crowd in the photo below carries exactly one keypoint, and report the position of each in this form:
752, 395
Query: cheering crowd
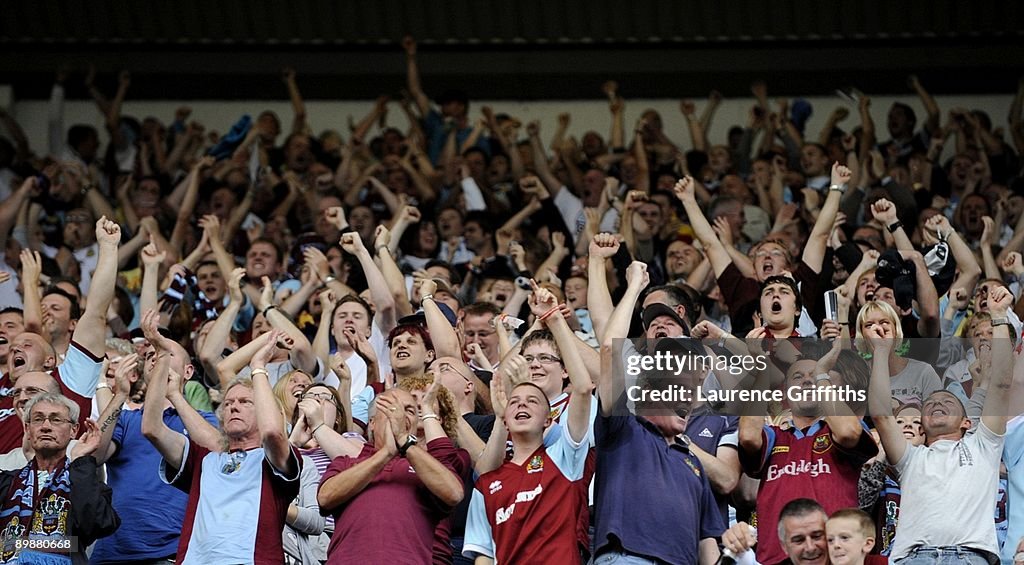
407, 346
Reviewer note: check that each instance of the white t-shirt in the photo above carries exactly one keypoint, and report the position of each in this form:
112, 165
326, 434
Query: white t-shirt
357, 367
948, 494
915, 382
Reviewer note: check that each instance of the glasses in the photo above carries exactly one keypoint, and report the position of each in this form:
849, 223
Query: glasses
543, 359
29, 391
448, 368
321, 396
54, 420
776, 253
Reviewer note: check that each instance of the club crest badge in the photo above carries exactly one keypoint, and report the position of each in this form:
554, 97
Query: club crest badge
51, 516
822, 444
535, 465
694, 468
9, 537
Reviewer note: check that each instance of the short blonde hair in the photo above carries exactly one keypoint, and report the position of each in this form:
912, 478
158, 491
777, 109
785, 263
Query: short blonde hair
864, 522
872, 306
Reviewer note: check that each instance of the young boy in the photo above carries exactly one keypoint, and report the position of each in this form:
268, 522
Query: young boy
851, 535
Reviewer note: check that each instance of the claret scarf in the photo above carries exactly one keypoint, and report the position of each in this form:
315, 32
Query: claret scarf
35, 510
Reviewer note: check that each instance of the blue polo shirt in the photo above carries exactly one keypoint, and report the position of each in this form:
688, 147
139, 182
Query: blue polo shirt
709, 431
652, 499
151, 511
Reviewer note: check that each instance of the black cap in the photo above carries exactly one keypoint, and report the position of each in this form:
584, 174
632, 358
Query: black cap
657, 310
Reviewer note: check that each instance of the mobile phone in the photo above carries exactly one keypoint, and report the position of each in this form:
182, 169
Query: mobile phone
831, 306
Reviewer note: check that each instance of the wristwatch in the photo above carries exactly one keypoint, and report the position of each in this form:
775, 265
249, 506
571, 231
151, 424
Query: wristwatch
1004, 321
409, 442
895, 226
840, 188
822, 377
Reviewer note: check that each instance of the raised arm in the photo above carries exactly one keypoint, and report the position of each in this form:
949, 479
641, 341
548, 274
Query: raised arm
168, 442
299, 125
610, 389
603, 247
716, 252
930, 106
91, 331
997, 401
383, 301
301, 353
540, 160
217, 338
880, 395
383, 242
200, 430
413, 76
814, 251
268, 414
188, 203
152, 258
544, 305
442, 334
970, 270
31, 269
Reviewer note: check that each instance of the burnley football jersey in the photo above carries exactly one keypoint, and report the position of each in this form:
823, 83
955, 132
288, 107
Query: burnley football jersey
528, 513
795, 463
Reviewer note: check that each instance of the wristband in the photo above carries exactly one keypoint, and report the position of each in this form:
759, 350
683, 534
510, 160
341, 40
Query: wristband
268, 309
548, 314
840, 188
255, 372
329, 279
895, 226
102, 385
822, 377
313, 431
426, 297
385, 247
430, 417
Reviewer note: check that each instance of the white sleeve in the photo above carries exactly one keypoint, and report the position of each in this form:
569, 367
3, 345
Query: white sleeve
478, 540
474, 197
569, 456
570, 207
80, 372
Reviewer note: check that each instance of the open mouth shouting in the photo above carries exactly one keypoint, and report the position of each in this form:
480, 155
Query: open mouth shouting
776, 306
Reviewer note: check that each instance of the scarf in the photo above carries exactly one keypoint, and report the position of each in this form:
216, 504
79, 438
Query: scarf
36, 510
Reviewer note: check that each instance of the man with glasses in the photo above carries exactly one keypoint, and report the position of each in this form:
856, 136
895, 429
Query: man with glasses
55, 500
477, 326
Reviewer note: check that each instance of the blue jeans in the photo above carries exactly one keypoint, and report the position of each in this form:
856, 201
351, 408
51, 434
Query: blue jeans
945, 556
615, 558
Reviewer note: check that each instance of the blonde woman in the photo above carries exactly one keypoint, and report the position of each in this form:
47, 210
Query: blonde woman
288, 389
911, 381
